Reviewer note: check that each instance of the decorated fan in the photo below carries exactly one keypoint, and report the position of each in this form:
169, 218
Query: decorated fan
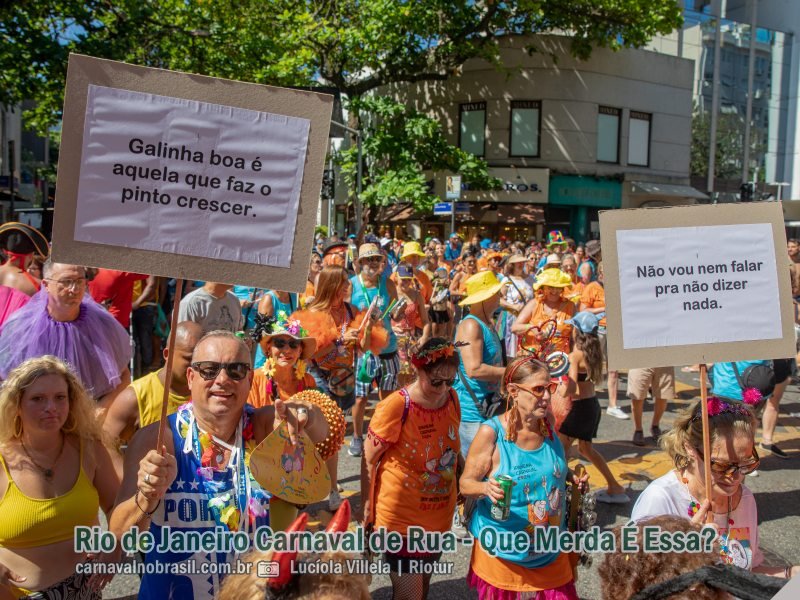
331, 445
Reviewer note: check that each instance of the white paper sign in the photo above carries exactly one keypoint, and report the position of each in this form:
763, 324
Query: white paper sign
698, 285
188, 177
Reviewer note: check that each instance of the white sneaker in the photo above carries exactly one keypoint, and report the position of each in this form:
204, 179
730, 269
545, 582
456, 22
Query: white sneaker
616, 411
334, 501
754, 473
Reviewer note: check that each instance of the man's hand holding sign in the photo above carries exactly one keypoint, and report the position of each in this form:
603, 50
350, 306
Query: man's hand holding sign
185, 176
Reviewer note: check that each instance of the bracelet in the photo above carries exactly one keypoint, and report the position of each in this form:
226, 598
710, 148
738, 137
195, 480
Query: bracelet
788, 572
143, 511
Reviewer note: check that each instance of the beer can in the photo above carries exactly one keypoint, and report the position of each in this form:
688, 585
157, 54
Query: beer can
502, 509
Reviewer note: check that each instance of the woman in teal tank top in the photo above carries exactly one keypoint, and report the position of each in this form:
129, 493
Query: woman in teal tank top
522, 445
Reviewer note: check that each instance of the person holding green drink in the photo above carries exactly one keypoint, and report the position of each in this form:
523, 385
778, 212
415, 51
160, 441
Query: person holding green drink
521, 445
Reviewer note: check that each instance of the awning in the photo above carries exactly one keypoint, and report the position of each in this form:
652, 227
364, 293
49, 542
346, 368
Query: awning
520, 214
666, 189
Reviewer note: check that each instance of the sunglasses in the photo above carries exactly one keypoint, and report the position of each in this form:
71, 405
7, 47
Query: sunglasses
537, 391
209, 369
440, 382
280, 344
373, 260
729, 469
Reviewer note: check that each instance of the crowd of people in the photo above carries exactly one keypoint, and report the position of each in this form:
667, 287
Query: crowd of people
483, 360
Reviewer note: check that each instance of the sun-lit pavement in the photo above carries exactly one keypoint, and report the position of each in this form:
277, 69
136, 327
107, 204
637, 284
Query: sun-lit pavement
776, 488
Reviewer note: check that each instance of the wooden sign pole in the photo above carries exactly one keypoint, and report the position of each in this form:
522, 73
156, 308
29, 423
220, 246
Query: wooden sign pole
173, 327
706, 435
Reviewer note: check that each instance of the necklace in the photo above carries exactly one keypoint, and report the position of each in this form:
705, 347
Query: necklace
694, 505
48, 473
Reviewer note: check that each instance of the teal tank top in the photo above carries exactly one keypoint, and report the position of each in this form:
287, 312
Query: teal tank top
361, 297
537, 497
492, 355
277, 306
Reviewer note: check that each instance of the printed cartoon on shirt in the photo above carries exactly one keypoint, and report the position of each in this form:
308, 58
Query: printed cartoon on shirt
736, 548
439, 471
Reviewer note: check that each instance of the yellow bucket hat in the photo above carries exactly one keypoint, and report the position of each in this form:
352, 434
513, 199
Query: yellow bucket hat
412, 249
552, 278
480, 287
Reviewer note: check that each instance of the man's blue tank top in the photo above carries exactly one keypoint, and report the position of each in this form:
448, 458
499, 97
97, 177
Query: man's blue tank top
492, 355
277, 306
361, 297
537, 497
185, 508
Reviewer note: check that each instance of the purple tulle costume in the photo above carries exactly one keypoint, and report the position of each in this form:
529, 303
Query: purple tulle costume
95, 345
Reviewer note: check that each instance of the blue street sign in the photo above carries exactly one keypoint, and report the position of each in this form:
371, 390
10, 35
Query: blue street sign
443, 208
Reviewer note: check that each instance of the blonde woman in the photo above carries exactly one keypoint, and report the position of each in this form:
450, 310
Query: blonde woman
682, 491
56, 474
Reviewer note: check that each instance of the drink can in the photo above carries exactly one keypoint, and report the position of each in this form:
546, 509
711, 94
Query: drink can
502, 509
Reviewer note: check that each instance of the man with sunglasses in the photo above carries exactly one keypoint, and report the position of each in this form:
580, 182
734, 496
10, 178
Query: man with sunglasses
200, 480
368, 284
63, 320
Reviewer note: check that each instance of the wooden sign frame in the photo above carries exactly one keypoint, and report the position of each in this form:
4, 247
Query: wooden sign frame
693, 216
84, 71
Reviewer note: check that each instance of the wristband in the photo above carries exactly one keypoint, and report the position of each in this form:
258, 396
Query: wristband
141, 510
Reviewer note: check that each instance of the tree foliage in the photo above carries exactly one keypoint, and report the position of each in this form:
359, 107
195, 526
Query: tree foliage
358, 46
400, 145
729, 152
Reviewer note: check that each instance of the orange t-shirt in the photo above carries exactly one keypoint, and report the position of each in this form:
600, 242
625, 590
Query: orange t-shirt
574, 293
562, 341
259, 397
594, 296
416, 479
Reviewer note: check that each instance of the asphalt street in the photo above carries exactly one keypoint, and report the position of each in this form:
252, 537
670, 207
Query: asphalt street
776, 489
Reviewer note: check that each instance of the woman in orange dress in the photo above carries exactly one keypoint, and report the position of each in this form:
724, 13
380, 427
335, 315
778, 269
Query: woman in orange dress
412, 454
287, 347
547, 311
336, 326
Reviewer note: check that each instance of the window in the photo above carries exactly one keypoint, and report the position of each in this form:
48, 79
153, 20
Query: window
525, 126
608, 134
472, 128
639, 139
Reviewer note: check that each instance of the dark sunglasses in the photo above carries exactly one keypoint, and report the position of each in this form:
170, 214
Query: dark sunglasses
281, 344
441, 382
729, 469
538, 390
373, 260
209, 369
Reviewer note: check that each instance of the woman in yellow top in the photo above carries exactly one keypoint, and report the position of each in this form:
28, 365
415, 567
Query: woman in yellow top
548, 309
55, 475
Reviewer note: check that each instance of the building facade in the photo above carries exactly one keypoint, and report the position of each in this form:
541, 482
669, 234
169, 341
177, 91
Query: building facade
568, 138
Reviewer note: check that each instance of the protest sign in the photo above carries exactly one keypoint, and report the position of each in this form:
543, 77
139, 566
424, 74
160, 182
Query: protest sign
696, 284
187, 176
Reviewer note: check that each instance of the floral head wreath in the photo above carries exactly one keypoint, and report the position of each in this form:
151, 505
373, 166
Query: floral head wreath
265, 325
718, 406
431, 355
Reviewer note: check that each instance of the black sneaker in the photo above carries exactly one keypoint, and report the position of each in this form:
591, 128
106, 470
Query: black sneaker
773, 448
655, 431
638, 438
